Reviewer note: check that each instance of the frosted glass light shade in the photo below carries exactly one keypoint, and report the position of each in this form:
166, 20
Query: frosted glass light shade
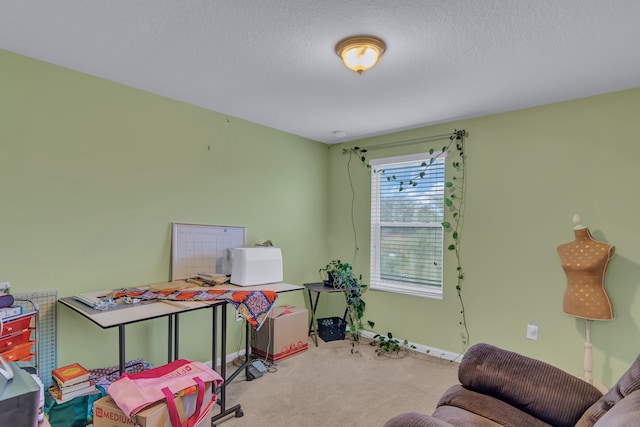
360, 53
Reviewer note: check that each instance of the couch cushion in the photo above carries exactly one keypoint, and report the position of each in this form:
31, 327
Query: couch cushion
627, 384
533, 386
415, 419
626, 413
460, 418
485, 408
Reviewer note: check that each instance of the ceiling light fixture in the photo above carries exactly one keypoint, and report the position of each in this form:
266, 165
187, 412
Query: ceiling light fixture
359, 53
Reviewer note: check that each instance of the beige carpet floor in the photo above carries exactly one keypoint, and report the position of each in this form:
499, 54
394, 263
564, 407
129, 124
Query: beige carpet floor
329, 386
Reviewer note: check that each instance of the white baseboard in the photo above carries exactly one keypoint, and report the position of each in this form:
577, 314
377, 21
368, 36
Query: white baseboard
420, 348
230, 358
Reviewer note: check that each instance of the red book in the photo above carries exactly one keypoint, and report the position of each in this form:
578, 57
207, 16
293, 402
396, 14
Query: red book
70, 374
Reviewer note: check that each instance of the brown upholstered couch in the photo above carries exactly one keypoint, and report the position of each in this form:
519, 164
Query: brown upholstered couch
502, 388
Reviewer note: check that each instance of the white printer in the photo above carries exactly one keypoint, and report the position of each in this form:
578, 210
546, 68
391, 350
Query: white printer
256, 266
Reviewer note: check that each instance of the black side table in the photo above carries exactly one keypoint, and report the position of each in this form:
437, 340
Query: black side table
318, 288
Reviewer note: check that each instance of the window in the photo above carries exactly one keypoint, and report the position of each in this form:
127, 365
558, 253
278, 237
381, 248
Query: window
406, 226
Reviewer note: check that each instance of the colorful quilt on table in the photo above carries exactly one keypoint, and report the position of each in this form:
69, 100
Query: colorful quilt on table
254, 306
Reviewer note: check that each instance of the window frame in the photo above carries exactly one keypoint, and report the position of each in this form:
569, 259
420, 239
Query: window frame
428, 291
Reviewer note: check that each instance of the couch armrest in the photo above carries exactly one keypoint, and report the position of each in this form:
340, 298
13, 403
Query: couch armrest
628, 384
533, 386
624, 413
415, 419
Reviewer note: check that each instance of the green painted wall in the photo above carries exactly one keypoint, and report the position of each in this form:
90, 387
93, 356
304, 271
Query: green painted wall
93, 173
529, 172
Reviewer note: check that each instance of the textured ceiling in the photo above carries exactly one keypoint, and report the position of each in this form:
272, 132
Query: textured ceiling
273, 62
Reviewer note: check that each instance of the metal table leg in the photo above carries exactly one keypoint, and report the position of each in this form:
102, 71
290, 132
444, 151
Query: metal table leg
121, 356
169, 337
176, 337
245, 364
237, 409
313, 326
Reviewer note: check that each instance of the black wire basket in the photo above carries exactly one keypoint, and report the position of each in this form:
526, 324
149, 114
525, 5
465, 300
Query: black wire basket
331, 328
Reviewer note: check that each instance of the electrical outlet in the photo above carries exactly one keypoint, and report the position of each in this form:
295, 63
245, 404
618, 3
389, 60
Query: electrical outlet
532, 331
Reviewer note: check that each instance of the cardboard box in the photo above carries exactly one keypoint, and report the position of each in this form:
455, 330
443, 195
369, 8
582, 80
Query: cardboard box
283, 334
107, 414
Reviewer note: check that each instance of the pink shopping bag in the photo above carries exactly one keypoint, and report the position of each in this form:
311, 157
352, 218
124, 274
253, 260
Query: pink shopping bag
132, 392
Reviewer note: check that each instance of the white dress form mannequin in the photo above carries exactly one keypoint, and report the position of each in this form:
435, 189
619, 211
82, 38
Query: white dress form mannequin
585, 261
588, 346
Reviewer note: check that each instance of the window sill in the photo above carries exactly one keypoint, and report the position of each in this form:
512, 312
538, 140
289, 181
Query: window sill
407, 290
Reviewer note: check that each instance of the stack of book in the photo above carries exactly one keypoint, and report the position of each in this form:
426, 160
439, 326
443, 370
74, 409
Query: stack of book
69, 382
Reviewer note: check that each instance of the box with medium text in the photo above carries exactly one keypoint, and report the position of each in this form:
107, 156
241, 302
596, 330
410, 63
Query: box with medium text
107, 414
283, 334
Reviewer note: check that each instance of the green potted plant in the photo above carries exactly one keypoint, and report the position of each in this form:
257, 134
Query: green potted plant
390, 346
340, 275
332, 270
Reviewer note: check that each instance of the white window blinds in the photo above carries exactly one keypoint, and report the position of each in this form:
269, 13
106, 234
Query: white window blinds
406, 226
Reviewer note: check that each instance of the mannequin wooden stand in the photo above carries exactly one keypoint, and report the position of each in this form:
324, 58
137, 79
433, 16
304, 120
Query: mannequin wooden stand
588, 361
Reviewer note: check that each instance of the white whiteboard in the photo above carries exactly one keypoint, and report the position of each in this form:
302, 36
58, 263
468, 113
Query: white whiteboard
200, 248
